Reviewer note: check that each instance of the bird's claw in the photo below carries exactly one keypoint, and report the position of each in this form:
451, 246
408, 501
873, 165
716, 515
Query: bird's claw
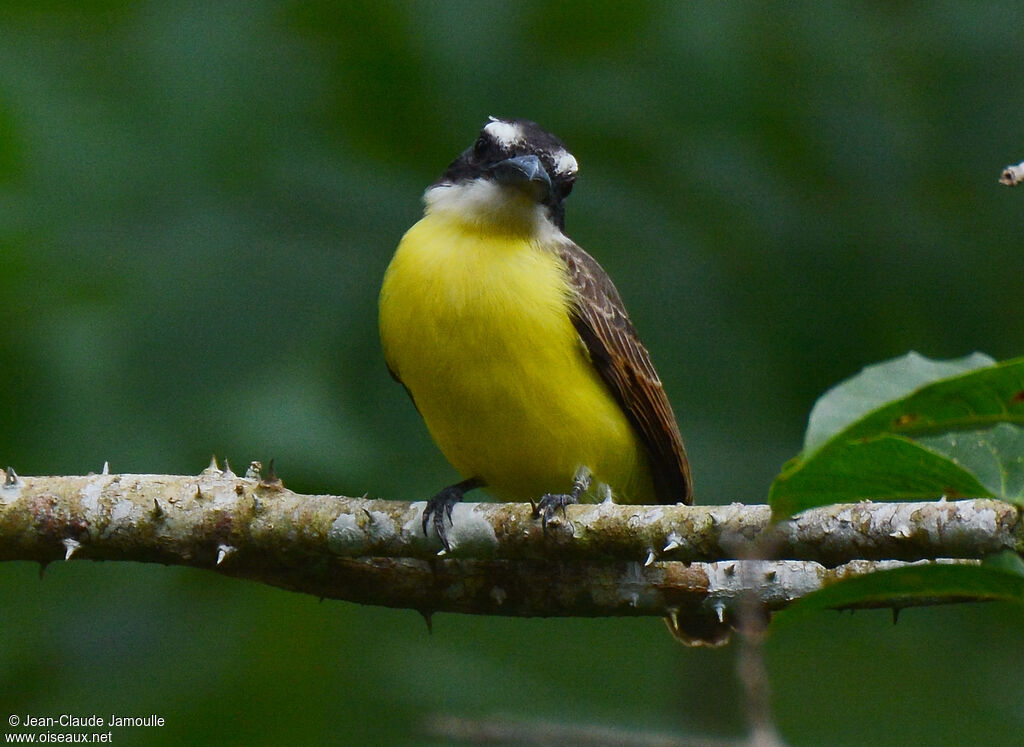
439, 513
550, 504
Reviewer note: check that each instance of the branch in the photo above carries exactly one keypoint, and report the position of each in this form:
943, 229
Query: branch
597, 561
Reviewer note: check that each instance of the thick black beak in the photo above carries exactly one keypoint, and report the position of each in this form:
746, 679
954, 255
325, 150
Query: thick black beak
524, 170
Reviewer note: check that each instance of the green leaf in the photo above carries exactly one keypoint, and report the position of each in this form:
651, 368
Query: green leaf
858, 443
953, 582
1007, 561
879, 399
994, 455
883, 468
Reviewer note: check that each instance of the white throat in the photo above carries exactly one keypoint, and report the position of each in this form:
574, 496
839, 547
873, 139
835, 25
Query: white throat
484, 203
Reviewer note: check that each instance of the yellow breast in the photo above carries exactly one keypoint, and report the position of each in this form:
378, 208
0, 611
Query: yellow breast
477, 327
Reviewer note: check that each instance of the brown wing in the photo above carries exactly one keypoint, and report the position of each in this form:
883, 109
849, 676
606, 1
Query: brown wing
623, 362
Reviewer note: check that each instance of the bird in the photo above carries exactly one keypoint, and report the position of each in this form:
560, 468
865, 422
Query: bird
515, 345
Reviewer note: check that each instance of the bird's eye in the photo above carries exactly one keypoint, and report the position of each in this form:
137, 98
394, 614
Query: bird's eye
480, 146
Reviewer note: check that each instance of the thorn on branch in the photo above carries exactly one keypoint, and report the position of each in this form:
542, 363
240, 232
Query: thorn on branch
71, 546
11, 478
674, 541
271, 480
227, 471
213, 468
223, 551
697, 630
106, 468
673, 618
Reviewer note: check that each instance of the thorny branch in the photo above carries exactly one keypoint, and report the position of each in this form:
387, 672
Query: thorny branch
692, 564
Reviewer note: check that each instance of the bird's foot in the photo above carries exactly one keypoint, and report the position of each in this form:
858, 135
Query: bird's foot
439, 508
550, 503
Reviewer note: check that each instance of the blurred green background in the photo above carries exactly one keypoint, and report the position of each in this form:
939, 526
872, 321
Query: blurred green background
197, 203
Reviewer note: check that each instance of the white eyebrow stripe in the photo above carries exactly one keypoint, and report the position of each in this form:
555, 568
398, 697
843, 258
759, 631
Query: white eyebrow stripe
506, 133
565, 162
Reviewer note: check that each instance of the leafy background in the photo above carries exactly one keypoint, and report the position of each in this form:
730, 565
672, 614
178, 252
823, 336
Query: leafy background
197, 202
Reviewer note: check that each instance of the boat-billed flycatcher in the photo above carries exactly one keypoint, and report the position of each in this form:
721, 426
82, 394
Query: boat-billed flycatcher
515, 345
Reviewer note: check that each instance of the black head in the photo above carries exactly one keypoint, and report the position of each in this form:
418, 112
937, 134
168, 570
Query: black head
518, 153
